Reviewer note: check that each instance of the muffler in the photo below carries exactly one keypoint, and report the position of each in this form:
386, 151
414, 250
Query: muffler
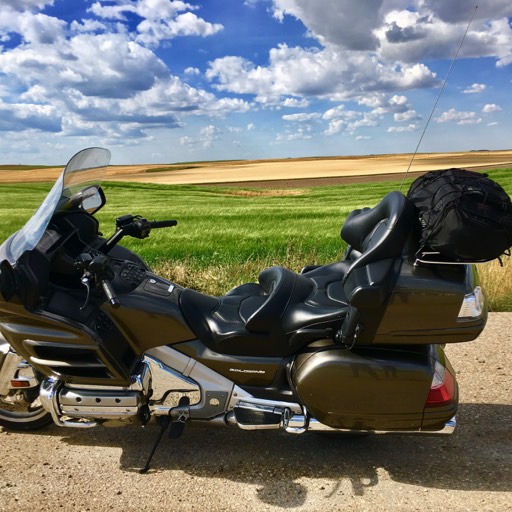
254, 416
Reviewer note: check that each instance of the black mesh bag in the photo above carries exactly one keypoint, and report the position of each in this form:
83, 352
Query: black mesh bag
465, 216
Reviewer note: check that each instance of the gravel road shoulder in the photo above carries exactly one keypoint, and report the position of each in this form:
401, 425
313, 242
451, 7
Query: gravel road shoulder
231, 470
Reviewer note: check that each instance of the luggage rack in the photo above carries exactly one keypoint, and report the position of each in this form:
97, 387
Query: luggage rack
436, 258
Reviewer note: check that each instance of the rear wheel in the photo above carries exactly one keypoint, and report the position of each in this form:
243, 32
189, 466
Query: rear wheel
20, 408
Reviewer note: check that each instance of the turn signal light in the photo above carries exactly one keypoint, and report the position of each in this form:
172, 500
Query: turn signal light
20, 383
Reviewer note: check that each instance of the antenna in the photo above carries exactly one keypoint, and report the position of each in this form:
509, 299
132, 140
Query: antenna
439, 96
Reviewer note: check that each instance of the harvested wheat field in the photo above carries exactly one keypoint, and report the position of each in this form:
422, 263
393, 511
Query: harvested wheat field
311, 171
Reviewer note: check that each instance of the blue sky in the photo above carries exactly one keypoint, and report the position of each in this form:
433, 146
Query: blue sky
161, 81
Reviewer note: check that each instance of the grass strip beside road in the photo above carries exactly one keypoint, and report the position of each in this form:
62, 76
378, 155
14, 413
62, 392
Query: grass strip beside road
226, 236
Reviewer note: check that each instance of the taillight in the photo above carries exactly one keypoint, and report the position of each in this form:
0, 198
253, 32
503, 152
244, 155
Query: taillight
442, 390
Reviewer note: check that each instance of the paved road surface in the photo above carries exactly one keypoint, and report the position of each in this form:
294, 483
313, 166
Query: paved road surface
230, 470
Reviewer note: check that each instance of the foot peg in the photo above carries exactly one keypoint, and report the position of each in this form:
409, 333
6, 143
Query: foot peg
181, 413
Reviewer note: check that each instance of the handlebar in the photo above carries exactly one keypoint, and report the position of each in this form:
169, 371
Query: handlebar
157, 224
136, 227
98, 266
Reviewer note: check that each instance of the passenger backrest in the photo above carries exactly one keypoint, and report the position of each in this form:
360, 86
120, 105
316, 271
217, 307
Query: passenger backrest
380, 234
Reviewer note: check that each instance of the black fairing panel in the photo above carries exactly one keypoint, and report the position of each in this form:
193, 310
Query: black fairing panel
93, 353
150, 314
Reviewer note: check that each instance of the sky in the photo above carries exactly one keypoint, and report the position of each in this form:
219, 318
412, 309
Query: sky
163, 81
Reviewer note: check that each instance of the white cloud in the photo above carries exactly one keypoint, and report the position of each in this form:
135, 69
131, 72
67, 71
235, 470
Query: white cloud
186, 24
210, 131
335, 126
401, 129
335, 112
460, 11
302, 117
461, 118
491, 107
300, 134
19, 117
188, 141
21, 5
406, 31
104, 73
161, 19
87, 26
295, 103
408, 115
208, 135
430, 33
76, 64
350, 62
330, 75
33, 28
475, 88
343, 23
91, 77
192, 71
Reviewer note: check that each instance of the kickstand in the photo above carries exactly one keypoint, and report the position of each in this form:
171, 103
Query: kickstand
165, 421
177, 427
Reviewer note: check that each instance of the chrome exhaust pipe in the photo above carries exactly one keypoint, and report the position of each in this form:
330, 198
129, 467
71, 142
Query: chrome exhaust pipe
251, 416
299, 423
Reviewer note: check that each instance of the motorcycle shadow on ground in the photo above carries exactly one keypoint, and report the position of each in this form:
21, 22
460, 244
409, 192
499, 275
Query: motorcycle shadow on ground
477, 457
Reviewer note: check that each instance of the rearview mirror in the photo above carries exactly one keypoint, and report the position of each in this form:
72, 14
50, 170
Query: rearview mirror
93, 202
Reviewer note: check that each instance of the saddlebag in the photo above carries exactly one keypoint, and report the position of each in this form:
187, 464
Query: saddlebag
371, 388
465, 216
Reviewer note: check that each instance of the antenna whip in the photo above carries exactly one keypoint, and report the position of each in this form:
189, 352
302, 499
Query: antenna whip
439, 96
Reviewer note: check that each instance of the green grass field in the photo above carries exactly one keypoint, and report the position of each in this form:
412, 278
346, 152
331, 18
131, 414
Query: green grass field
225, 236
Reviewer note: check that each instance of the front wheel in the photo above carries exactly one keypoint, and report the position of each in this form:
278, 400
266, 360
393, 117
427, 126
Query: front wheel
20, 408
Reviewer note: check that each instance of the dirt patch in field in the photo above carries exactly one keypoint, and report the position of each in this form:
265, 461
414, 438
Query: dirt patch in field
281, 173
265, 190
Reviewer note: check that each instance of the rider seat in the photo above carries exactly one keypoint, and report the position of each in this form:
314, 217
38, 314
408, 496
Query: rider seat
272, 318
285, 310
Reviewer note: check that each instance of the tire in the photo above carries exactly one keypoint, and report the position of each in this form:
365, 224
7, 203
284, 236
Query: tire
20, 409
29, 420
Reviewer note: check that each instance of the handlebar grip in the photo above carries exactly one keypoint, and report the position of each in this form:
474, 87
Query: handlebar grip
109, 292
163, 224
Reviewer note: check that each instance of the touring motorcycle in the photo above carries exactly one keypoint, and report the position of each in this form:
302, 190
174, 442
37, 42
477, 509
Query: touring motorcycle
90, 335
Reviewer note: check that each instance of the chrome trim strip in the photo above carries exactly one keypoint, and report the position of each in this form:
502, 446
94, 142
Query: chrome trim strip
298, 421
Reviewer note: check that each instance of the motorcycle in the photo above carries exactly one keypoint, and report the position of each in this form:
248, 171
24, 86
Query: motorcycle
90, 335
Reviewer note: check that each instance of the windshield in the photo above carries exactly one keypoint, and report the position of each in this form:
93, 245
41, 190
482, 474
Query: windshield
86, 168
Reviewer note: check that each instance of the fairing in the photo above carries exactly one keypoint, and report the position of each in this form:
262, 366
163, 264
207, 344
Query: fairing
86, 168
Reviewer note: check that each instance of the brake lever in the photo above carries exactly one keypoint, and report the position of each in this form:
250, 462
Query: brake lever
96, 268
